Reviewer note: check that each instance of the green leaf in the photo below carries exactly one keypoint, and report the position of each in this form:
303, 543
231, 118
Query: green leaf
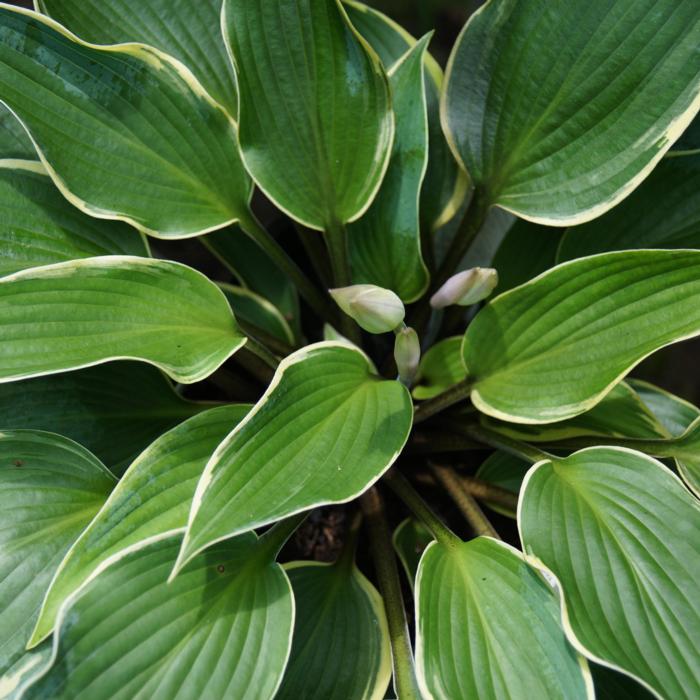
488, 627
385, 245
258, 311
240, 254
152, 498
676, 415
387, 38
38, 226
440, 368
558, 110
445, 185
664, 212
410, 540
686, 450
222, 629
15, 679
621, 413
324, 431
689, 142
50, 488
554, 347
14, 142
190, 32
506, 471
673, 412
316, 124
621, 534
114, 410
126, 132
527, 250
85, 312
341, 644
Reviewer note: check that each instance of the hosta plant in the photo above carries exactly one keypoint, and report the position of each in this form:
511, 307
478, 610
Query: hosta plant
370, 432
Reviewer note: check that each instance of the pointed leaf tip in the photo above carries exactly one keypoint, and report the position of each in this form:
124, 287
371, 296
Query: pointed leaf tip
326, 429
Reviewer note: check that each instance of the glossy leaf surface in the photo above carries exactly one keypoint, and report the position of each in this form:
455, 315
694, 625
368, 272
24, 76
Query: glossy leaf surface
664, 212
445, 185
385, 246
115, 410
316, 124
340, 648
323, 432
559, 109
488, 627
552, 348
50, 488
222, 629
621, 534
189, 31
152, 498
125, 132
85, 312
38, 226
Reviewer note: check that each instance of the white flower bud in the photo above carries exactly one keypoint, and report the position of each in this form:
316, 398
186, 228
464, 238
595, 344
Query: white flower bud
375, 309
407, 354
466, 288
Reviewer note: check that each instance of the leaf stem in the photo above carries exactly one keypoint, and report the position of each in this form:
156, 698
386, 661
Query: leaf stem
347, 555
317, 300
471, 224
260, 351
231, 385
662, 447
337, 241
432, 442
468, 507
254, 365
405, 682
339, 252
403, 489
275, 344
316, 251
502, 442
485, 491
438, 403
472, 221
272, 540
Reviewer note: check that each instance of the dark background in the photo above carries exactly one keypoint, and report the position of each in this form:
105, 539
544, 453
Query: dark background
674, 368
